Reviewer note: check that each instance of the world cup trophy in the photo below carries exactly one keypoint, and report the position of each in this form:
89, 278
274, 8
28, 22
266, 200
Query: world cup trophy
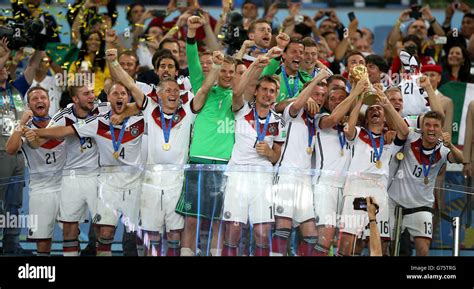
358, 73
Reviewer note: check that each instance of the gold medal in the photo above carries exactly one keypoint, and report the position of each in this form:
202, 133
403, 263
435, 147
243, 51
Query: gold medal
378, 164
400, 156
166, 146
425, 180
116, 155
309, 150
342, 152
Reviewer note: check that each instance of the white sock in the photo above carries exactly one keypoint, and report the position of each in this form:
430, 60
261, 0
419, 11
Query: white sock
71, 254
216, 252
140, 250
187, 252
276, 254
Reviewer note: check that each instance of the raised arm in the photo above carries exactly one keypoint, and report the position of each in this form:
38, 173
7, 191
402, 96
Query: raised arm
196, 76
118, 74
341, 110
456, 155
350, 129
246, 85
33, 63
210, 39
303, 97
13, 144
435, 101
393, 117
200, 99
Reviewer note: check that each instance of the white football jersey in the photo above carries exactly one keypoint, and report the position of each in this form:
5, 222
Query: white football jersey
295, 152
81, 152
179, 138
364, 160
45, 163
333, 153
244, 151
415, 98
120, 172
408, 188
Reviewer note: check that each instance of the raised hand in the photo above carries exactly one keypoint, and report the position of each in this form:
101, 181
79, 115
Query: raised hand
282, 40
25, 118
110, 36
217, 57
194, 22
446, 137
111, 55
274, 52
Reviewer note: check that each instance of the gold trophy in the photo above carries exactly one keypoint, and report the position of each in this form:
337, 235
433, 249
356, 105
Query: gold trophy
359, 72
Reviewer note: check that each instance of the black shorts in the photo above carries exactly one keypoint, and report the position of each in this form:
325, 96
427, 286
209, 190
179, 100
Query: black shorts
203, 193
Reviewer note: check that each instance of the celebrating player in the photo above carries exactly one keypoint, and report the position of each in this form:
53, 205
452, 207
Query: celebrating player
422, 158
45, 165
369, 169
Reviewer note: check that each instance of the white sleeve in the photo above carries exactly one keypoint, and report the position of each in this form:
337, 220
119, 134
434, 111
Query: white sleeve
87, 128
243, 110
318, 118
282, 129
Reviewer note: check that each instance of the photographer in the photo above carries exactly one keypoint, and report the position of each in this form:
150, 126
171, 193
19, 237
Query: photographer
375, 241
467, 27
414, 22
30, 9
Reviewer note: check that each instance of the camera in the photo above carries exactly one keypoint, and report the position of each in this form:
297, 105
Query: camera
415, 12
327, 13
181, 3
24, 34
360, 204
233, 32
440, 40
299, 19
456, 5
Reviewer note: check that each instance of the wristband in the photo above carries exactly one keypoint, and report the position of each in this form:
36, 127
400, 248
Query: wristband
216, 66
374, 220
115, 63
433, 20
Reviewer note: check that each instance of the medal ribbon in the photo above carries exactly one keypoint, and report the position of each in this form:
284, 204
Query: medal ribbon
311, 130
342, 137
38, 118
261, 136
117, 143
253, 48
377, 151
426, 170
295, 86
166, 129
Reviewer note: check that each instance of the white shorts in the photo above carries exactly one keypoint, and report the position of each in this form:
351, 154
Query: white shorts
249, 196
78, 194
113, 204
419, 224
44, 209
157, 209
328, 204
356, 222
294, 198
